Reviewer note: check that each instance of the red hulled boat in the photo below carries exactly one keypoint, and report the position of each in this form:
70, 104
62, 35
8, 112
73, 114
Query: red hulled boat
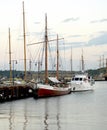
46, 90
57, 88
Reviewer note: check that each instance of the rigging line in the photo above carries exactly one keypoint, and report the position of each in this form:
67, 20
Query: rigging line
64, 67
62, 61
40, 59
39, 56
31, 57
43, 48
31, 60
44, 41
53, 67
37, 52
50, 56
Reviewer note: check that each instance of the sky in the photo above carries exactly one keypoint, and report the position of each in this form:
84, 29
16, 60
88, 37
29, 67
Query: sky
82, 24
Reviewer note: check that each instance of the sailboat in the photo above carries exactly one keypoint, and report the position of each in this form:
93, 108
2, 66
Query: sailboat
46, 90
82, 81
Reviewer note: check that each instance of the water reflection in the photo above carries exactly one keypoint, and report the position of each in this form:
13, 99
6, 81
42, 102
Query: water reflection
46, 115
17, 117
10, 118
25, 117
43, 114
75, 111
52, 114
58, 113
45, 122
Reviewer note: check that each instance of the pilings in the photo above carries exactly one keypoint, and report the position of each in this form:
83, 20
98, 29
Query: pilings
13, 92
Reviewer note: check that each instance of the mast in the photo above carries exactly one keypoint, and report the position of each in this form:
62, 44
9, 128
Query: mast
106, 65
57, 66
10, 64
82, 58
46, 51
71, 60
100, 62
103, 60
24, 36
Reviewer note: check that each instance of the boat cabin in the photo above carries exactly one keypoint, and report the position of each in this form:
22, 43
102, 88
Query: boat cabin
79, 78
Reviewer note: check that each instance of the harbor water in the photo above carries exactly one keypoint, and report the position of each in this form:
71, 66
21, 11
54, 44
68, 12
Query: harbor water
76, 111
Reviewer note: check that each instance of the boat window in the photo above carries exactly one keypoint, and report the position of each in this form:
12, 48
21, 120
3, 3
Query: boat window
85, 79
76, 79
80, 79
73, 78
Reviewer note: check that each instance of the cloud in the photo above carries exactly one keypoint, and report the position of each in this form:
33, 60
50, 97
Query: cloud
99, 40
99, 21
36, 22
70, 19
74, 44
74, 36
36, 33
103, 32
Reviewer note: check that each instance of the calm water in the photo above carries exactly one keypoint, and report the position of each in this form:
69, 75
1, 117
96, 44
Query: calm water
77, 111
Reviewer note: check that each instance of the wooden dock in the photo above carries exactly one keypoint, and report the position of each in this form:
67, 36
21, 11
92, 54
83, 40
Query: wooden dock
13, 92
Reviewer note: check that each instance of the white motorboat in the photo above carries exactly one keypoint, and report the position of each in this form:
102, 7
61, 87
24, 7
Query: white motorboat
81, 82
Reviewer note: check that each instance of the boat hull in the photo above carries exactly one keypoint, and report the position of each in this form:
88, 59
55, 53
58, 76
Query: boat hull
75, 87
51, 91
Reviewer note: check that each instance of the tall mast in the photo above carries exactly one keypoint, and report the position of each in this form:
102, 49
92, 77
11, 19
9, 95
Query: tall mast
71, 60
46, 51
57, 66
103, 60
24, 36
106, 65
82, 58
100, 62
10, 56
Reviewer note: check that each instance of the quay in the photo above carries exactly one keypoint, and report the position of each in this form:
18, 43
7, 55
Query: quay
14, 92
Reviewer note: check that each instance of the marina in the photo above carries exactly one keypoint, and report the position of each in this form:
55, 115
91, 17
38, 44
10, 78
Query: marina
12, 91
46, 83
82, 110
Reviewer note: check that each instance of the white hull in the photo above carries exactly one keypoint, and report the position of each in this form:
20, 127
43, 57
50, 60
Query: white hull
81, 83
81, 87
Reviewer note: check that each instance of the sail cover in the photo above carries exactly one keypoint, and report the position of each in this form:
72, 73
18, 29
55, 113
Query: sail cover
54, 79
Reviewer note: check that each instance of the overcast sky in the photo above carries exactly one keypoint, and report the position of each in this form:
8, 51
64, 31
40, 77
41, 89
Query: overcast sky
82, 24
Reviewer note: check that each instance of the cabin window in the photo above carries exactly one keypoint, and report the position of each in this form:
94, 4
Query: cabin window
85, 79
73, 78
80, 79
76, 79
